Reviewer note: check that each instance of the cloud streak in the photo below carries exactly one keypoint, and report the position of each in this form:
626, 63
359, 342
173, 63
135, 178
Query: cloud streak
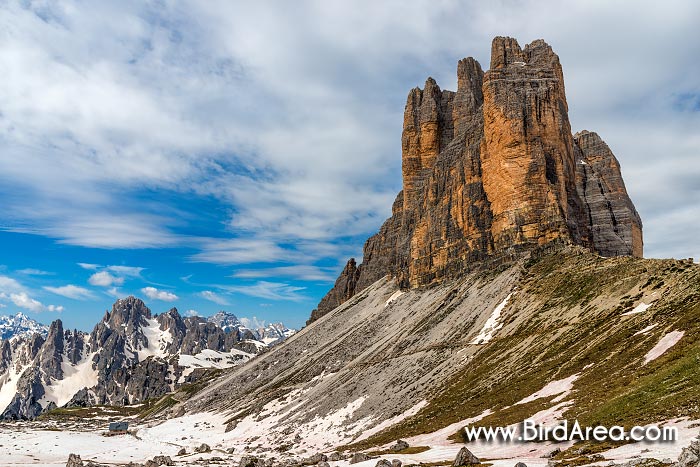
156, 294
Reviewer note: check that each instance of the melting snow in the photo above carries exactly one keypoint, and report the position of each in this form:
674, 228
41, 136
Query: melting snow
393, 297
158, 340
9, 385
641, 308
561, 386
492, 324
75, 377
666, 342
392, 421
646, 329
211, 359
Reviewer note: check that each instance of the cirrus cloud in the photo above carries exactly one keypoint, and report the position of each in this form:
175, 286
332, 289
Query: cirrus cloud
71, 291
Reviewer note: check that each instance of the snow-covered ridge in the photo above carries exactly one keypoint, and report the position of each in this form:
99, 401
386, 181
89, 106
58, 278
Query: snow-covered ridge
44, 367
20, 325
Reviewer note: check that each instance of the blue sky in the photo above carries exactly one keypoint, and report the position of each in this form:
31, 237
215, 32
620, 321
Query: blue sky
233, 155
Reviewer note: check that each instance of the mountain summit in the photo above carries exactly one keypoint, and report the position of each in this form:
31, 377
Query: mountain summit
492, 171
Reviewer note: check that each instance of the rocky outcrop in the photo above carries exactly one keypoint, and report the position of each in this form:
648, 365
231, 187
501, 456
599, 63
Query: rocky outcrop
343, 289
490, 172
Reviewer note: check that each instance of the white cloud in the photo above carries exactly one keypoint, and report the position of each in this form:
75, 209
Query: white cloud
113, 292
22, 300
192, 313
298, 272
155, 294
34, 272
71, 291
8, 284
253, 323
105, 279
131, 271
89, 266
213, 297
271, 291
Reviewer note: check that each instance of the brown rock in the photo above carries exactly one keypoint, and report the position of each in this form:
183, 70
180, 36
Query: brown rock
490, 172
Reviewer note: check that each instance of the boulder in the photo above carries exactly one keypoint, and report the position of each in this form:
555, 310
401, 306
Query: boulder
202, 448
74, 460
399, 446
383, 463
465, 457
690, 456
358, 457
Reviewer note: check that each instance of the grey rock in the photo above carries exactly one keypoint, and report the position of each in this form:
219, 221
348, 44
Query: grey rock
395, 463
690, 456
400, 446
383, 463
335, 456
358, 457
74, 460
323, 464
251, 461
202, 448
182, 452
520, 464
315, 459
465, 457
160, 460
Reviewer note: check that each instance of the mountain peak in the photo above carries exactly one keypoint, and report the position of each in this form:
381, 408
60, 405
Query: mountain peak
492, 172
20, 325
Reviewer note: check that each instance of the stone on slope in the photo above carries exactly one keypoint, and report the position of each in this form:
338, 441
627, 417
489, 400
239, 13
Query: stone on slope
465, 457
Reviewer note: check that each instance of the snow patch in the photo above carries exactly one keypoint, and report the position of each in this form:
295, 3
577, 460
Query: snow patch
562, 387
75, 377
641, 308
666, 342
392, 421
492, 324
158, 341
211, 359
393, 297
9, 385
646, 329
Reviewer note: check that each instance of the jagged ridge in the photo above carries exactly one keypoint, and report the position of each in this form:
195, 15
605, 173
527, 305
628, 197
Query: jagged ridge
130, 356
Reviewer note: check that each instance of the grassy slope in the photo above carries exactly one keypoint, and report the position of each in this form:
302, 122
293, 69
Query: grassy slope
566, 315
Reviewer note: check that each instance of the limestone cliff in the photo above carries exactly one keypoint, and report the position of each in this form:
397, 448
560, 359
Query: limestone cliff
490, 172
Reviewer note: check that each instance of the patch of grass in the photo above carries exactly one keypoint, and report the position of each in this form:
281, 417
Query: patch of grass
408, 450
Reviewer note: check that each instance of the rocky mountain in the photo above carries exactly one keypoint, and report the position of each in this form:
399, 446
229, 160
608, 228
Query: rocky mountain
20, 325
491, 171
130, 356
270, 334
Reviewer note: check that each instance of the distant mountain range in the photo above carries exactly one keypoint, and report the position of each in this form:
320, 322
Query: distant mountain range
20, 325
130, 356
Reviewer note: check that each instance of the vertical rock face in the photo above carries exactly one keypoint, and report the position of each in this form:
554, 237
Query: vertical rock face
491, 171
527, 152
615, 226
